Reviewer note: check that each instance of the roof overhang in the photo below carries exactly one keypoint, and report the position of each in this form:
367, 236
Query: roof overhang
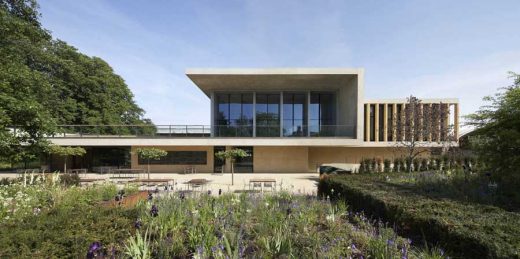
272, 79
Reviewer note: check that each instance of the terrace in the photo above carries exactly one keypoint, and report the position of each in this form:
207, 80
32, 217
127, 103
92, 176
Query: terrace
200, 131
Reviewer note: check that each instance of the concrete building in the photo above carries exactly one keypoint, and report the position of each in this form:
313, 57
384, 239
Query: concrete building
289, 120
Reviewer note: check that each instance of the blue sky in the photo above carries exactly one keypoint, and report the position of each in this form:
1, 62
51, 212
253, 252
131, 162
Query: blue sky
430, 49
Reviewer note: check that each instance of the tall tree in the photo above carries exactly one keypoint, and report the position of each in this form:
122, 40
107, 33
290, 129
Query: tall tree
46, 82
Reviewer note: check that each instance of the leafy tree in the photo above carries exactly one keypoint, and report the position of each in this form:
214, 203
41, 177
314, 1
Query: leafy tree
417, 122
496, 138
65, 152
150, 154
45, 82
232, 155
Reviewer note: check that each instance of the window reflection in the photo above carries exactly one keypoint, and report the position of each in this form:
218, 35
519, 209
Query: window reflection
268, 115
294, 114
235, 115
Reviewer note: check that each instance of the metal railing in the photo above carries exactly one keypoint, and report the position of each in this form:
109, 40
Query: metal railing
132, 131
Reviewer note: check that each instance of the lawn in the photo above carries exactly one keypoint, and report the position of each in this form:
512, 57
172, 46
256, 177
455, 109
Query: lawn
452, 211
48, 219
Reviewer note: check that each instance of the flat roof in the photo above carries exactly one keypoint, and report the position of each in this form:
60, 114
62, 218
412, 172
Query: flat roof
271, 79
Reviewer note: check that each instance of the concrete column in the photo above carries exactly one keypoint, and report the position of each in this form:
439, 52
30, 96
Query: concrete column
376, 122
403, 118
456, 121
385, 122
394, 122
367, 120
430, 123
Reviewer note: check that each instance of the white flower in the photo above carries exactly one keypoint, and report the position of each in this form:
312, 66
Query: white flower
248, 211
267, 204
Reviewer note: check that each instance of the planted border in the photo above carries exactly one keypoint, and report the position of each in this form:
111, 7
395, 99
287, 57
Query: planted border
465, 229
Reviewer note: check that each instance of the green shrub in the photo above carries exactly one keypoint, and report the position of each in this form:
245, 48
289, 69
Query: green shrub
387, 165
465, 229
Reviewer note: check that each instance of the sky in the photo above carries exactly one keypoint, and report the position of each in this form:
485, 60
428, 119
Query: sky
429, 49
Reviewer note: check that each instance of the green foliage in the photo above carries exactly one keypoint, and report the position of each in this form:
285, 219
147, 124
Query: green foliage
497, 136
151, 153
45, 82
232, 154
465, 227
45, 220
67, 151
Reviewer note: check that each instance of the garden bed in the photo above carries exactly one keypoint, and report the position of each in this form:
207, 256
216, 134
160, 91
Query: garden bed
467, 229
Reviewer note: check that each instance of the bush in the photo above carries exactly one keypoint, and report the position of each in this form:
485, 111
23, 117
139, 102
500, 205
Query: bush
469, 230
387, 165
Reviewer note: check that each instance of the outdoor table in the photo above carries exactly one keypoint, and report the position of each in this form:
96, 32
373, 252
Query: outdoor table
197, 182
153, 181
90, 180
126, 173
262, 182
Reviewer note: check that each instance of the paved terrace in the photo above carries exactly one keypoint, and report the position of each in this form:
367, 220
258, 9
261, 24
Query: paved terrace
298, 183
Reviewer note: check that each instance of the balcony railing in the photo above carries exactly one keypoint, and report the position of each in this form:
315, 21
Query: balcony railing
92, 131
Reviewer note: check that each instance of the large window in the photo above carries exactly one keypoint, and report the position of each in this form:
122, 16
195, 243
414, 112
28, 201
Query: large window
268, 115
322, 117
234, 115
180, 158
294, 114
244, 164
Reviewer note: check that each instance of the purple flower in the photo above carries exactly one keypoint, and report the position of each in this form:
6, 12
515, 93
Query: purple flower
93, 250
219, 192
138, 224
390, 242
404, 253
353, 247
154, 211
150, 196
209, 192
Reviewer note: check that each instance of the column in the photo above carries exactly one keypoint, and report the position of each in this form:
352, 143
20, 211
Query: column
430, 123
394, 122
376, 122
403, 123
385, 122
281, 114
367, 120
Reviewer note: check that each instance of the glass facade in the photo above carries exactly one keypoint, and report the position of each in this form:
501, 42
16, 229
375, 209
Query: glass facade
322, 116
234, 115
276, 114
268, 115
294, 114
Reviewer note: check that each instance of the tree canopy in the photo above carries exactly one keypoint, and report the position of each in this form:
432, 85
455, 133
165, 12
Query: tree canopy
497, 135
45, 82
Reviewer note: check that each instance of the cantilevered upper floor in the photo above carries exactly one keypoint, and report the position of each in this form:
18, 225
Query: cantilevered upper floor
309, 102
281, 106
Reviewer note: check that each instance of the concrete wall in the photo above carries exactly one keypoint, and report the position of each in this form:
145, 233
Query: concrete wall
280, 159
207, 168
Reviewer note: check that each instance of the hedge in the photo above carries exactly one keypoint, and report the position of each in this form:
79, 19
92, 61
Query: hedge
467, 230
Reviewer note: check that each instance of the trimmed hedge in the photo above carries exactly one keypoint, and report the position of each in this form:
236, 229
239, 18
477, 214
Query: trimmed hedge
468, 230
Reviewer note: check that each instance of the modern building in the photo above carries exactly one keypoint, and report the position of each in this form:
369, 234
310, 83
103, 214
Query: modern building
288, 120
